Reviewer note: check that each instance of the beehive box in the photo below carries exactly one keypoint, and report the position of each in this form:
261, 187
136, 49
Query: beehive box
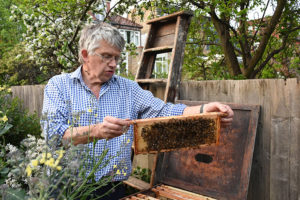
176, 132
212, 171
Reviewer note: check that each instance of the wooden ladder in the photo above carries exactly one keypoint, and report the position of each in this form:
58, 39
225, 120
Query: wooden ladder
166, 34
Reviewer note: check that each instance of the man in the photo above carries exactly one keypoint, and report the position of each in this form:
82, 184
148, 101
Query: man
106, 102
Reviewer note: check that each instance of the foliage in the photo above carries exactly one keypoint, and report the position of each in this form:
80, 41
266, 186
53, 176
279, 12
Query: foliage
18, 67
10, 32
42, 169
19, 121
52, 34
143, 174
244, 44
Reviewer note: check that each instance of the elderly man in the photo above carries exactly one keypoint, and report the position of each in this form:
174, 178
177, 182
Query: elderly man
108, 103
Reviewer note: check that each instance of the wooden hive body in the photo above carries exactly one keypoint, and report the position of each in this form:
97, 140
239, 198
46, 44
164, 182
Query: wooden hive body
212, 171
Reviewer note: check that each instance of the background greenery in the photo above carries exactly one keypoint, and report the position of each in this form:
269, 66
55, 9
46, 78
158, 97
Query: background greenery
39, 37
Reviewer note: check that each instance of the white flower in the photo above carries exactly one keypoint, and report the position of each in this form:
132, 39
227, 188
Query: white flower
11, 148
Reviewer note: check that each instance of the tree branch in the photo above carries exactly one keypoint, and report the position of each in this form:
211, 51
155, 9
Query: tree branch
260, 23
87, 8
270, 55
199, 4
265, 37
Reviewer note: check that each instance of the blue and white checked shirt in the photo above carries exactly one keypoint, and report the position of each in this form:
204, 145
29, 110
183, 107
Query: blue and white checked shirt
67, 100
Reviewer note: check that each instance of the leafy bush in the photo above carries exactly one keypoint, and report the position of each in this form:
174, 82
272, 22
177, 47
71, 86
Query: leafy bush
20, 122
142, 173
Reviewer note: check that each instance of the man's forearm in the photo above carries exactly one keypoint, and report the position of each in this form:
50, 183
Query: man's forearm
80, 135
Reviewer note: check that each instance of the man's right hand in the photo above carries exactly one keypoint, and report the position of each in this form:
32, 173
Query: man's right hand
110, 127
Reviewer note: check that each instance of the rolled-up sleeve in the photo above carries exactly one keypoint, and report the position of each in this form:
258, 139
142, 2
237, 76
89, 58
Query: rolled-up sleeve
54, 115
148, 106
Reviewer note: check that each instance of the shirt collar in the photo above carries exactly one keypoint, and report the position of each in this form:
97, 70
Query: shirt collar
78, 75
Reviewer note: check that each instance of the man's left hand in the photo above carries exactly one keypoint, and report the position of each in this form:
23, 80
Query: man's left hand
218, 107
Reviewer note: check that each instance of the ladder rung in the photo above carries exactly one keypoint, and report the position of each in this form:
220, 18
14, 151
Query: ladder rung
151, 80
159, 49
169, 17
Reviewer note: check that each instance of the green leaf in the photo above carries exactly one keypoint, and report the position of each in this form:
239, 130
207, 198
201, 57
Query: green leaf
13, 194
5, 129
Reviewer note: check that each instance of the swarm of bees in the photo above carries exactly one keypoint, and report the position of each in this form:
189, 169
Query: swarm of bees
179, 134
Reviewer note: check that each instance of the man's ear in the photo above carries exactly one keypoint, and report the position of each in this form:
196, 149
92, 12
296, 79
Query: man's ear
84, 54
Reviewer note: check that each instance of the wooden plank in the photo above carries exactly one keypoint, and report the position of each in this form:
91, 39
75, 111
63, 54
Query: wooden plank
137, 183
168, 17
167, 28
162, 49
166, 40
31, 96
174, 75
151, 80
294, 167
146, 67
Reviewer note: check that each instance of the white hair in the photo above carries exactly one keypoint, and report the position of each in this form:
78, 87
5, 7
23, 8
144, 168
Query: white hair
91, 35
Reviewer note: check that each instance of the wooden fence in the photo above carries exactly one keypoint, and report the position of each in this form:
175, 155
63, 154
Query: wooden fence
276, 163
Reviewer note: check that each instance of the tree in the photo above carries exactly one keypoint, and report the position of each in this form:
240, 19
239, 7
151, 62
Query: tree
238, 35
10, 33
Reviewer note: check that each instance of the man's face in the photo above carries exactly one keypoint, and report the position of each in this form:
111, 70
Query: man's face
102, 64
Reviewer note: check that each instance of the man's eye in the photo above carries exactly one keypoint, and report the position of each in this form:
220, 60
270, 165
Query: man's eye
107, 56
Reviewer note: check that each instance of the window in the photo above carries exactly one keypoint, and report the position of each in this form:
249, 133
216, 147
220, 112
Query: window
131, 36
161, 66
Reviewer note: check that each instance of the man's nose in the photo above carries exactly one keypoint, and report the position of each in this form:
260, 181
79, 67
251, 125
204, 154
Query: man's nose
113, 63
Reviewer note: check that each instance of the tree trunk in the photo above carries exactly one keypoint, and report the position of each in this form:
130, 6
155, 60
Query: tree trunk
229, 52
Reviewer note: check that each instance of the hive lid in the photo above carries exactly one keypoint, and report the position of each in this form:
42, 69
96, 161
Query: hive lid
176, 132
219, 171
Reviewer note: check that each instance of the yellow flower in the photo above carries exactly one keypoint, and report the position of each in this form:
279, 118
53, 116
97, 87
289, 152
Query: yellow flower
68, 121
4, 119
90, 110
28, 170
60, 153
96, 115
34, 163
115, 166
9, 90
42, 161
58, 168
124, 173
128, 140
2, 88
50, 162
49, 155
118, 172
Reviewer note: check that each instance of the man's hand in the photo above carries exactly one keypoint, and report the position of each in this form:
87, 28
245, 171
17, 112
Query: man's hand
218, 107
110, 127
212, 107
